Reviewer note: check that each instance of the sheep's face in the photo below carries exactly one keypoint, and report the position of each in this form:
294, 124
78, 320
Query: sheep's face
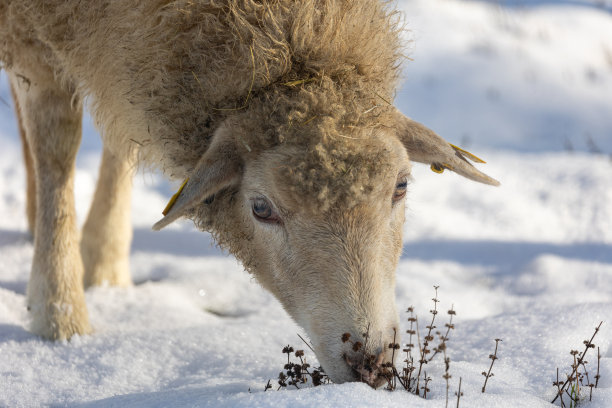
331, 258
320, 226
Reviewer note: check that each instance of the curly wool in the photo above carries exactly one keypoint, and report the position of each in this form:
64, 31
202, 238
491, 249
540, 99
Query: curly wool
333, 162
169, 72
162, 76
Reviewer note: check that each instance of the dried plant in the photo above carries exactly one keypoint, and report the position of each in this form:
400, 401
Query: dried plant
446, 375
579, 375
598, 360
406, 379
459, 394
427, 339
493, 357
413, 378
296, 374
443, 338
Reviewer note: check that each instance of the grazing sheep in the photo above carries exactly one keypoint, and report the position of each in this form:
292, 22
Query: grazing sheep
276, 113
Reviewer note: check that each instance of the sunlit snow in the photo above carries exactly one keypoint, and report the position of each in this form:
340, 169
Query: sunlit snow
527, 85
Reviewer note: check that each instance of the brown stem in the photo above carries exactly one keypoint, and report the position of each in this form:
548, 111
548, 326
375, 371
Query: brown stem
493, 357
443, 343
431, 326
459, 392
581, 357
597, 376
559, 390
305, 342
446, 374
421, 361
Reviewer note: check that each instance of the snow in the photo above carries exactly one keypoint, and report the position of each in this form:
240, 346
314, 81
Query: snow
531, 79
524, 84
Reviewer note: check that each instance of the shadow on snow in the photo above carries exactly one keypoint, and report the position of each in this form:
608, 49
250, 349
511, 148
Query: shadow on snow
507, 257
539, 3
502, 254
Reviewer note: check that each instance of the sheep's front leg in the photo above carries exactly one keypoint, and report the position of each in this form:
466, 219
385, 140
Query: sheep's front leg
107, 233
52, 122
29, 167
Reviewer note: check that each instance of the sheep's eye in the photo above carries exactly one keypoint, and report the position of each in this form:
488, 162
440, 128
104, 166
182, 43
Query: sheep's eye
400, 189
263, 211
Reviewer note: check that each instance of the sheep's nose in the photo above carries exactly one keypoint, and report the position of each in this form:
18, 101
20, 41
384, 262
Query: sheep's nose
369, 369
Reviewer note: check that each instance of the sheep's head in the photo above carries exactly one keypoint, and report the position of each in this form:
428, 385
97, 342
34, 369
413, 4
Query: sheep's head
320, 226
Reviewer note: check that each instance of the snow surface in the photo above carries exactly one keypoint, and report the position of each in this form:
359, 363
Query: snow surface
527, 85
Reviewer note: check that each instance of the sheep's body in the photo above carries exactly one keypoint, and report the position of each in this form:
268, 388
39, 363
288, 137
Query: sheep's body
281, 99
135, 60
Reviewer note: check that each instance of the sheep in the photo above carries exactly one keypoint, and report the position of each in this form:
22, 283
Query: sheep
277, 116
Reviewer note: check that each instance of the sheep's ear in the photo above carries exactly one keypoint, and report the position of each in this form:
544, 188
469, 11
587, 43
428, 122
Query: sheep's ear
425, 146
220, 167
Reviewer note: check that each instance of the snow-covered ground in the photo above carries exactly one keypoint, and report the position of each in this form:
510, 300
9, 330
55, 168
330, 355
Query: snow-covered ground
527, 85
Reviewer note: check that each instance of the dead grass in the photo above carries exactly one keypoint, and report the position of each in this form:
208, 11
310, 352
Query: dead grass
420, 350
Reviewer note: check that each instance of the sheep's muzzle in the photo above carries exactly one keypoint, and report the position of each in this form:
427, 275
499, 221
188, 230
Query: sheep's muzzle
369, 369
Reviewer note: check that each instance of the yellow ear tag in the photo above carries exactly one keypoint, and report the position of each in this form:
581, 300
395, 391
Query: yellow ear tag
470, 156
174, 198
436, 168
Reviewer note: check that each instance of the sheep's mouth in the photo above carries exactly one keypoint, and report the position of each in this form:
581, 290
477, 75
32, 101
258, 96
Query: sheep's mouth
370, 369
